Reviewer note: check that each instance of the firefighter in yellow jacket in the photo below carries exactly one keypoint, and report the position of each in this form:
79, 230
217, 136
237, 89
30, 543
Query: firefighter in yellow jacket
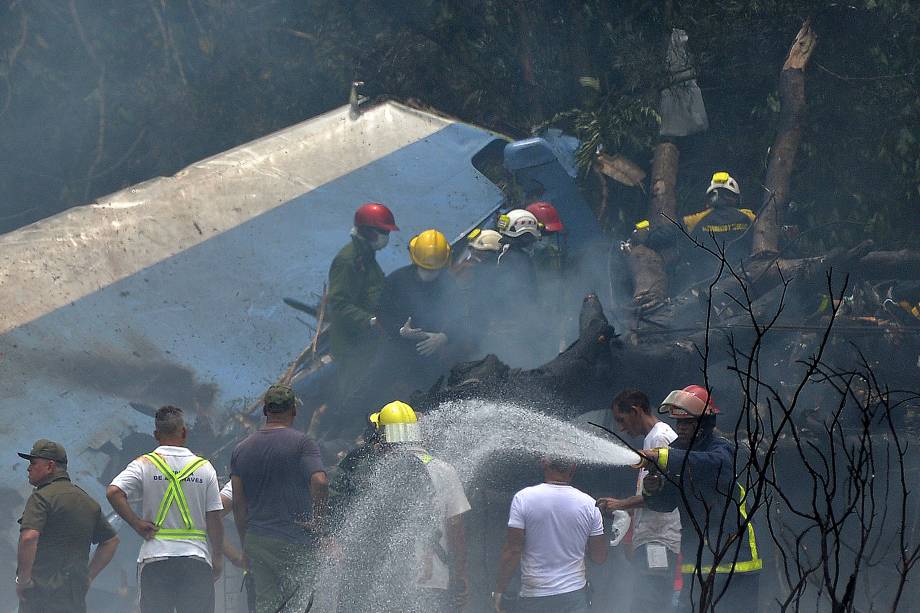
723, 218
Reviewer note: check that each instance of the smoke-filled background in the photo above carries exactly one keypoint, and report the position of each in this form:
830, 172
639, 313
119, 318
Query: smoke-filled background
95, 96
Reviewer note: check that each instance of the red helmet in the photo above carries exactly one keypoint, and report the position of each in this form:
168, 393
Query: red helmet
692, 401
375, 215
547, 215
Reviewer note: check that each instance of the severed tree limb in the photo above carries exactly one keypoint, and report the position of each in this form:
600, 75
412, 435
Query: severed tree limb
650, 281
765, 241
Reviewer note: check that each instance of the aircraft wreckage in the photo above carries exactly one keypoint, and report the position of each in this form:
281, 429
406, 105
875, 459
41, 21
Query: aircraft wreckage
173, 291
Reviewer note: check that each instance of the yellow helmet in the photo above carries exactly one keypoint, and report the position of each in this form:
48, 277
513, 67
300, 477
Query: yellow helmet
484, 240
723, 180
398, 422
429, 250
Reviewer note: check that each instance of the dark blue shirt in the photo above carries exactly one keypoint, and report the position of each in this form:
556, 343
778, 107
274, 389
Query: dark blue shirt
275, 466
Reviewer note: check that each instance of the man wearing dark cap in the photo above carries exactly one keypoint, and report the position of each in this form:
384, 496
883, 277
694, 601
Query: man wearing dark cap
58, 526
279, 494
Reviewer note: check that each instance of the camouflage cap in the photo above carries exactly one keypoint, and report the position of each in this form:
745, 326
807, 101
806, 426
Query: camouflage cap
279, 398
46, 450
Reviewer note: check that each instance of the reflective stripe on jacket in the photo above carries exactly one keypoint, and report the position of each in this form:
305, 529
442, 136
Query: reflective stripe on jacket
707, 472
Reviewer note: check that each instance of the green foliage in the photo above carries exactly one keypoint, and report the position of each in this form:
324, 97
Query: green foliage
628, 125
152, 86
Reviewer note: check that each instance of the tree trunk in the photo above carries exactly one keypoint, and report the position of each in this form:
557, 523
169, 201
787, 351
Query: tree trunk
782, 156
664, 183
525, 57
650, 281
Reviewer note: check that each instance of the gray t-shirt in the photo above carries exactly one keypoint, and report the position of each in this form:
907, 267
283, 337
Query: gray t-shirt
275, 466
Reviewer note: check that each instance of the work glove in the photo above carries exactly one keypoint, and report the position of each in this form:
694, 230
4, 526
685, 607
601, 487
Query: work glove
432, 342
414, 334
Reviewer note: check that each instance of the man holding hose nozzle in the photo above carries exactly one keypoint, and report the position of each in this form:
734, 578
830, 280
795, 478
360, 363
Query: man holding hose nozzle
696, 475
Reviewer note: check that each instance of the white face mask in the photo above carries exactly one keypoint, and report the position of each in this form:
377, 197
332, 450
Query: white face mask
381, 241
427, 275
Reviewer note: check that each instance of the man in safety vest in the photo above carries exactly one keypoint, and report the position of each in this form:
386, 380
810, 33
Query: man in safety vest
179, 519
718, 544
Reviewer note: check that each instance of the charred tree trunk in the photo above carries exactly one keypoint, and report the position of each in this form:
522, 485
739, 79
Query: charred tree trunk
650, 278
650, 281
782, 155
664, 183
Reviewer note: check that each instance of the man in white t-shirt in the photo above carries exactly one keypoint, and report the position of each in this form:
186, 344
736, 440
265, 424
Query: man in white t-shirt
552, 528
655, 536
179, 518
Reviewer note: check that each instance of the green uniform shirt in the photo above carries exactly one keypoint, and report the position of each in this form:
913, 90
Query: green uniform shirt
69, 522
355, 284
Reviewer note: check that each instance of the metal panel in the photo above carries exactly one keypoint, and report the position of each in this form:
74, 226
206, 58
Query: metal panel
170, 292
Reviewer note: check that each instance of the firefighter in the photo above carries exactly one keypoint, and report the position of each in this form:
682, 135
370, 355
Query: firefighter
355, 283
701, 464
722, 218
474, 270
670, 264
520, 232
420, 314
417, 511
549, 252
515, 298
550, 260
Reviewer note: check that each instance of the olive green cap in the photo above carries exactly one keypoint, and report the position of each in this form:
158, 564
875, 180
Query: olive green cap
46, 450
279, 398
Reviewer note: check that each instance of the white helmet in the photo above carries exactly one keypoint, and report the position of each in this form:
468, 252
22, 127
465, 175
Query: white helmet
723, 180
484, 240
518, 222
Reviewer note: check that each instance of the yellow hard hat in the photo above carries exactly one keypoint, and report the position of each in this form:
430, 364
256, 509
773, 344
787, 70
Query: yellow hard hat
429, 250
723, 180
398, 422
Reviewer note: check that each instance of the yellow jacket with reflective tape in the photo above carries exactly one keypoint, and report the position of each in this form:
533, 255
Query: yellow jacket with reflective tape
725, 222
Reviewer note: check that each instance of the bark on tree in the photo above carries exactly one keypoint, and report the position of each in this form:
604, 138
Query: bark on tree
650, 281
664, 183
650, 278
765, 239
525, 56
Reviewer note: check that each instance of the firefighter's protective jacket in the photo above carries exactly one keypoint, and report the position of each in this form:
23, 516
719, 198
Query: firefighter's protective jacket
701, 483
